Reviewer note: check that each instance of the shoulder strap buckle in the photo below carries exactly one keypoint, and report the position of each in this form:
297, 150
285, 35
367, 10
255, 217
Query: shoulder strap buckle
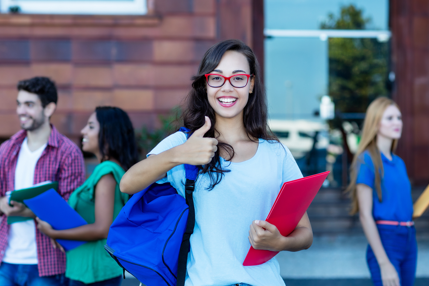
189, 186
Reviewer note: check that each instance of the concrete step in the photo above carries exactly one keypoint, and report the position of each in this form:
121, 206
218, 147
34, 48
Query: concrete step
338, 195
350, 225
315, 282
330, 195
329, 209
329, 213
422, 225
335, 225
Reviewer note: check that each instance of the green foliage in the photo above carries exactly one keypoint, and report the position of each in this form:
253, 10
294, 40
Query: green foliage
147, 139
358, 68
350, 18
15, 9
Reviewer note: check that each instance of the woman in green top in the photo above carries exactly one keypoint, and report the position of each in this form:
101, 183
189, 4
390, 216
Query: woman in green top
109, 135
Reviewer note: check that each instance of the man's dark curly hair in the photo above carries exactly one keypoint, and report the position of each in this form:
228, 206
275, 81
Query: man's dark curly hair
42, 86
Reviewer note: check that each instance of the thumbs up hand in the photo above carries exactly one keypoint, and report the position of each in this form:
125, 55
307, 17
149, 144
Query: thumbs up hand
199, 150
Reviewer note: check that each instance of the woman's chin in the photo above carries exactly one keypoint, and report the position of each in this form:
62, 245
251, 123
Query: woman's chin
87, 150
396, 136
228, 114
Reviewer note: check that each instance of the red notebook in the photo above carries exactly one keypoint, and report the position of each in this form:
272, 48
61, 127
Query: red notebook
291, 203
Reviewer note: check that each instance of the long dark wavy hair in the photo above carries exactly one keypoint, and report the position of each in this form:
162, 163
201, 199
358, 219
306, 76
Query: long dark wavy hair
197, 105
116, 139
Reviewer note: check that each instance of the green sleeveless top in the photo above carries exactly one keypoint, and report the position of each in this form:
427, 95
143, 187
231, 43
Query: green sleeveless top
89, 262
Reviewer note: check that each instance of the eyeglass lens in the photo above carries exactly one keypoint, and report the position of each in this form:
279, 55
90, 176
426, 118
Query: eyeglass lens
218, 81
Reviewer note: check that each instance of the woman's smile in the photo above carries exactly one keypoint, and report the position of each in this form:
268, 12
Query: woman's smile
227, 101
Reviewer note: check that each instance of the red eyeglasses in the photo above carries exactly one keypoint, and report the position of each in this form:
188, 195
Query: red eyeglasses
217, 80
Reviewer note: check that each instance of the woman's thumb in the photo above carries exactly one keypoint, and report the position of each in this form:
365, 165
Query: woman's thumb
203, 129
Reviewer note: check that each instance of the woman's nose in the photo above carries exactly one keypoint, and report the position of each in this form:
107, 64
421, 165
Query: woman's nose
227, 86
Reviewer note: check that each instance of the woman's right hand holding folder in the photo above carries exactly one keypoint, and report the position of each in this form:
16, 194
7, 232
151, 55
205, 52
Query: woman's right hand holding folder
265, 236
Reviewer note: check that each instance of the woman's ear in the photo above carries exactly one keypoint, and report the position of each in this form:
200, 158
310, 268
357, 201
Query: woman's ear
252, 84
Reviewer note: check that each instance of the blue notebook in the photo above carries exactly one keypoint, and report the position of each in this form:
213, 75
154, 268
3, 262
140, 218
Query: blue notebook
52, 208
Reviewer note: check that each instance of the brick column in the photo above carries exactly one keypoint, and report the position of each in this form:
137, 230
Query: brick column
409, 23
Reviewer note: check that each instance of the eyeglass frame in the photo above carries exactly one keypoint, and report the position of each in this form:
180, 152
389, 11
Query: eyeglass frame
226, 78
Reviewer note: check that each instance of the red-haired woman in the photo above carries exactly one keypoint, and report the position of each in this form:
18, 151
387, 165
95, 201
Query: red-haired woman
381, 194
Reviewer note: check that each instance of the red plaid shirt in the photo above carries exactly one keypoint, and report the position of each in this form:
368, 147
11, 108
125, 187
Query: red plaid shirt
61, 161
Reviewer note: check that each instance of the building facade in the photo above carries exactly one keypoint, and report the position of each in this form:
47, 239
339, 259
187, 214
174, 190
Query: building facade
142, 64
409, 23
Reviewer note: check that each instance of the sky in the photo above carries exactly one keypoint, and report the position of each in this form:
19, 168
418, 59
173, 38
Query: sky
296, 69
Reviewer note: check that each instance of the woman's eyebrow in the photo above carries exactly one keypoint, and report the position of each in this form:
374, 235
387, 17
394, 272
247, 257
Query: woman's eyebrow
236, 71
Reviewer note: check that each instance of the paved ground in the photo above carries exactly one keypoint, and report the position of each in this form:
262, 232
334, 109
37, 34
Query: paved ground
340, 257
342, 282
336, 261
316, 282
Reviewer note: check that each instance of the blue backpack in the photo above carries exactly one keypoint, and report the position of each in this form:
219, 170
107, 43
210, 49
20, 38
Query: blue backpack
150, 236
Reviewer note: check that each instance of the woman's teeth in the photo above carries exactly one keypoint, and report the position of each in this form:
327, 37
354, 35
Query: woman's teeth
227, 100
84, 140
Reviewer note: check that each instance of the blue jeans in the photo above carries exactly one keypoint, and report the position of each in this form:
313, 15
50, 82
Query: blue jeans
27, 275
400, 245
109, 282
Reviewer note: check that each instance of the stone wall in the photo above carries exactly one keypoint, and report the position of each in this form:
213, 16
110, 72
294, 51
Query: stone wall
142, 64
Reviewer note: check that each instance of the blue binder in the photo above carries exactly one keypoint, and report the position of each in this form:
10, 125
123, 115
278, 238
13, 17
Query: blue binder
52, 208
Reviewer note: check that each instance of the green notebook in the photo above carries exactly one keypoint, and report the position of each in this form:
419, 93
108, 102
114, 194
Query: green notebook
29, 193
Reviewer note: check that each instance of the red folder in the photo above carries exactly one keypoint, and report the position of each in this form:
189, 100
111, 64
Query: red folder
291, 203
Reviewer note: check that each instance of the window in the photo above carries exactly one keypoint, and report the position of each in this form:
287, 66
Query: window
90, 7
300, 43
281, 134
314, 48
305, 135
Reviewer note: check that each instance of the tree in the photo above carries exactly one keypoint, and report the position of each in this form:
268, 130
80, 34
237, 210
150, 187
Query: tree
358, 68
147, 138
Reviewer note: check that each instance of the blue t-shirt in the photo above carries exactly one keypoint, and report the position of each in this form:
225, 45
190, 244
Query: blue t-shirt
397, 204
223, 215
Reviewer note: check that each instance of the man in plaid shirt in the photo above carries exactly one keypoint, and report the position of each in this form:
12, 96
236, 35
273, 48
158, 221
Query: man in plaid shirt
38, 153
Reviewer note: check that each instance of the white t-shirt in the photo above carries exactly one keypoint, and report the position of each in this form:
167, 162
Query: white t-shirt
22, 248
223, 215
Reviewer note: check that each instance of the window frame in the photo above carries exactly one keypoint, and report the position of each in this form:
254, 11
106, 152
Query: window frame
77, 7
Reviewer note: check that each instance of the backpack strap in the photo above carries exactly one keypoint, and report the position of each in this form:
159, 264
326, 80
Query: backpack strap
191, 175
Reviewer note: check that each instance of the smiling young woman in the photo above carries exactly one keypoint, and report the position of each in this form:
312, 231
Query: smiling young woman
242, 167
381, 193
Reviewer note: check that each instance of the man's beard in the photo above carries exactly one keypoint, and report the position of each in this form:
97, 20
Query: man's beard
37, 122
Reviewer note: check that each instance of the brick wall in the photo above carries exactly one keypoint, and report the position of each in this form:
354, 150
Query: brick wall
409, 22
142, 64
